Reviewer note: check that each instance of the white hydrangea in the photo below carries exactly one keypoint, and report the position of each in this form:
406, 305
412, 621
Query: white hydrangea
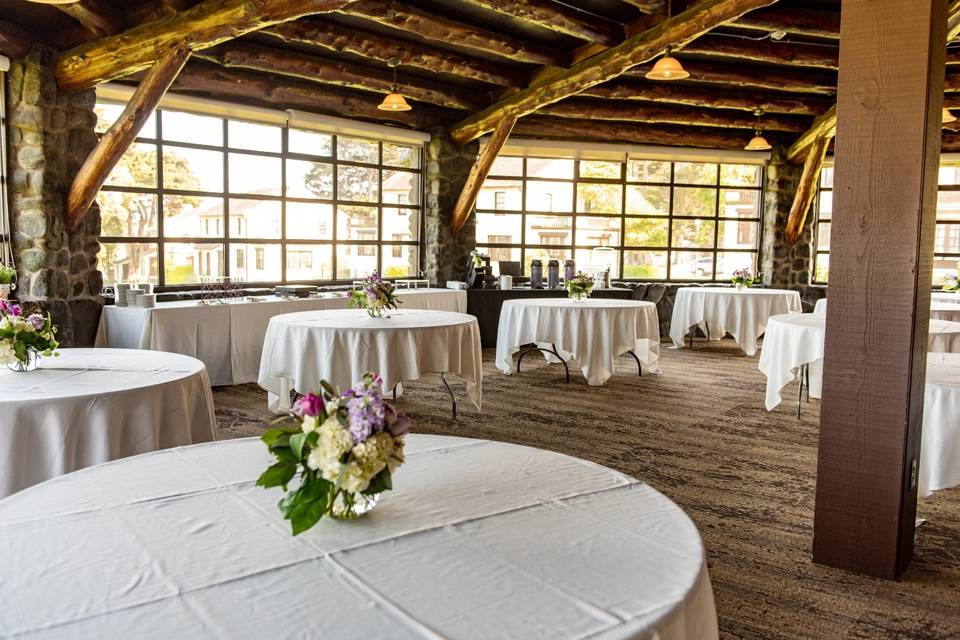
334, 441
7, 354
310, 423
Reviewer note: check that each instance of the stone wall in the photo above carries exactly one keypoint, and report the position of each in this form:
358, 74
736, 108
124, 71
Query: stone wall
447, 166
50, 134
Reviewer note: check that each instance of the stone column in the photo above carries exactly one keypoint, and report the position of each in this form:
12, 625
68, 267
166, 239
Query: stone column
788, 266
50, 135
447, 167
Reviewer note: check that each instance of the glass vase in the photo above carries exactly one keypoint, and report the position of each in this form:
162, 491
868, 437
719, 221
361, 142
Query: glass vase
350, 506
22, 367
376, 311
580, 296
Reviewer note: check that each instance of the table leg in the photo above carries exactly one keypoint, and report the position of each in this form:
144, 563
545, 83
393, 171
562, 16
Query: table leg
453, 398
803, 375
552, 350
639, 368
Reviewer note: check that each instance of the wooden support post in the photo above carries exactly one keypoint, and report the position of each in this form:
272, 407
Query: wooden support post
823, 127
479, 172
117, 139
807, 189
885, 187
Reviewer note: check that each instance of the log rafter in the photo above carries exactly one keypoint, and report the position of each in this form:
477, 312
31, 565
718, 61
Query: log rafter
607, 65
207, 24
807, 188
823, 127
234, 55
806, 22
561, 18
766, 51
97, 16
117, 139
478, 173
813, 81
14, 41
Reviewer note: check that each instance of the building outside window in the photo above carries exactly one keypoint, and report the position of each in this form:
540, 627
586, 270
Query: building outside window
200, 196
665, 220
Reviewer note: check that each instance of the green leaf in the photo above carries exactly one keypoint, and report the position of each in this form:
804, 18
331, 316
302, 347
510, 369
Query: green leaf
312, 438
344, 419
328, 388
308, 517
379, 483
305, 506
296, 444
284, 455
277, 475
270, 436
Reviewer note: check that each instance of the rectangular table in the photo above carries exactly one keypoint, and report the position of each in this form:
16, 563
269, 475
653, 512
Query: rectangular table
228, 338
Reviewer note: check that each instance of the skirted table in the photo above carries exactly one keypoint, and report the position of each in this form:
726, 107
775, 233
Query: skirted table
228, 337
945, 311
594, 333
88, 406
718, 311
339, 346
478, 539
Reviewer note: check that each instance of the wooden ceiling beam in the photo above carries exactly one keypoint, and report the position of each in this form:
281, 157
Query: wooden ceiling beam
790, 54
953, 20
281, 93
630, 133
743, 76
425, 25
712, 98
14, 41
478, 173
336, 37
805, 22
649, 6
200, 27
624, 111
118, 138
823, 127
807, 189
236, 55
561, 18
97, 16
607, 65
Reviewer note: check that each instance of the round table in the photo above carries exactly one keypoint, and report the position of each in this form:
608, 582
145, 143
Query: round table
944, 336
722, 310
339, 346
478, 539
88, 406
940, 440
791, 343
945, 311
594, 333
952, 297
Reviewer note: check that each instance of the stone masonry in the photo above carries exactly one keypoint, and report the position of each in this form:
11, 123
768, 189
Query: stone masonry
447, 167
50, 135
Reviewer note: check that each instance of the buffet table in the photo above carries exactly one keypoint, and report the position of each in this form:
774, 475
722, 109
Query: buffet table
339, 346
594, 333
718, 311
940, 439
180, 543
945, 311
88, 406
228, 338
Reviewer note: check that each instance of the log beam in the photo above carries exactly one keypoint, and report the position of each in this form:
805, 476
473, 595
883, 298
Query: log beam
713, 98
653, 114
14, 41
743, 76
807, 189
953, 20
561, 18
823, 127
200, 27
805, 22
407, 18
607, 65
97, 16
233, 55
649, 6
118, 138
478, 173
337, 37
766, 51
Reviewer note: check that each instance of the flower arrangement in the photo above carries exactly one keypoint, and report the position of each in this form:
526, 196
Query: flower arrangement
579, 287
952, 281
375, 294
346, 447
7, 275
742, 278
22, 338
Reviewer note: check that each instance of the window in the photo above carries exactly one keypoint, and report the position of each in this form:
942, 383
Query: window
946, 248
200, 196
664, 220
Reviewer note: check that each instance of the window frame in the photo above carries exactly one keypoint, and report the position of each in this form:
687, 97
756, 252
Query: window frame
227, 241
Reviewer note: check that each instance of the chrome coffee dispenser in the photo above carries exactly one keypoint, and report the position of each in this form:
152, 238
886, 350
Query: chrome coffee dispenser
536, 274
553, 274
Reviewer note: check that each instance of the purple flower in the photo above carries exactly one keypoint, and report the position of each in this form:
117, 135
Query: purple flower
365, 407
397, 422
36, 320
15, 310
308, 405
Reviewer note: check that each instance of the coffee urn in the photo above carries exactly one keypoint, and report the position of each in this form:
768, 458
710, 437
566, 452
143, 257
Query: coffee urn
553, 274
569, 270
536, 274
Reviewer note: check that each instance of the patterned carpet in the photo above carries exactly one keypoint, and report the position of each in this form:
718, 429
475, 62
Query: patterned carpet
700, 435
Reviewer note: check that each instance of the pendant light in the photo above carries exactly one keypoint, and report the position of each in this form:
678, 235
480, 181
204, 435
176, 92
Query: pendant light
394, 101
758, 142
668, 67
948, 117
53, 1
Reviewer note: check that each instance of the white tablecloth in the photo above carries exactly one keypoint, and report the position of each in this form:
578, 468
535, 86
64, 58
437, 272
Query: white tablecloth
92, 405
945, 296
940, 440
594, 332
820, 307
945, 311
944, 336
228, 338
301, 349
742, 314
478, 539
791, 341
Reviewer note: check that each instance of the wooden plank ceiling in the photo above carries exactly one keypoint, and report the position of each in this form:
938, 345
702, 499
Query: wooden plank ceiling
459, 57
